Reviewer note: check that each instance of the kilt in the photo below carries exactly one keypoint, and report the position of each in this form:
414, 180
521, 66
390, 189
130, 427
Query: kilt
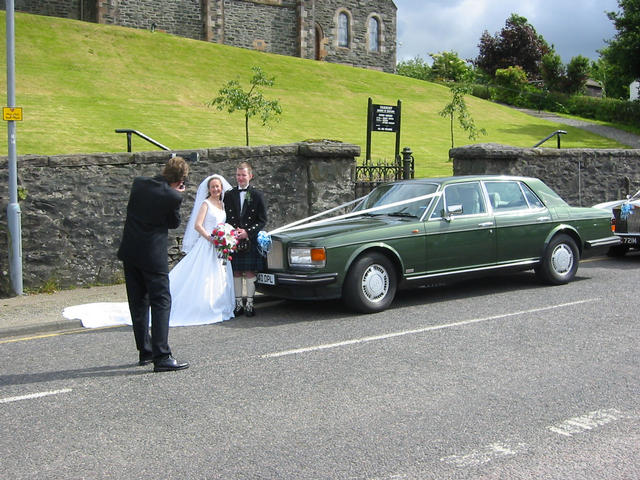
249, 261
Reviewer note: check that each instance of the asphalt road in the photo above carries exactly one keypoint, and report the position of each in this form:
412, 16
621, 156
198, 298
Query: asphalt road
499, 378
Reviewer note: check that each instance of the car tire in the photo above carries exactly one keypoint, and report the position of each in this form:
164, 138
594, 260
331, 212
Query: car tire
371, 283
559, 263
618, 251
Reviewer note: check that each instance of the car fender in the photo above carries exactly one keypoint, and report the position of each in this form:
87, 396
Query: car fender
382, 247
563, 228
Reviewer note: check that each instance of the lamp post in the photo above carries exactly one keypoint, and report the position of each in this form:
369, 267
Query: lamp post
13, 209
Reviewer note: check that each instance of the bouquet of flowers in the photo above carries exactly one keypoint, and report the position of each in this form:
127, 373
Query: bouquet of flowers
224, 241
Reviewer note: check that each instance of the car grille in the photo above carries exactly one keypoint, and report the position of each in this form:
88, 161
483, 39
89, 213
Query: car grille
629, 225
275, 257
633, 222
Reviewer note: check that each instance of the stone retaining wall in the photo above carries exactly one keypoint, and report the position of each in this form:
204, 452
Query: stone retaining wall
75, 205
581, 176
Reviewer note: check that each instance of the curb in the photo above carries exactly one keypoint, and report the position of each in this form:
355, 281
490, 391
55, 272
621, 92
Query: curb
64, 325
45, 327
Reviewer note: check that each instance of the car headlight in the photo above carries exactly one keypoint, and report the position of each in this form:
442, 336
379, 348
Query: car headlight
307, 256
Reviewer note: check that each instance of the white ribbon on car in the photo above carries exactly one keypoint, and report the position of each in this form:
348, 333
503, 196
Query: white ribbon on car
298, 222
264, 238
297, 225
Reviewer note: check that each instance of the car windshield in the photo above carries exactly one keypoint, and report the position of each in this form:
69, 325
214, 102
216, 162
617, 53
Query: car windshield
396, 192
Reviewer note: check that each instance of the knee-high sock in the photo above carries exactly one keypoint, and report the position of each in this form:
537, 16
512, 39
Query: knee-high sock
237, 286
251, 289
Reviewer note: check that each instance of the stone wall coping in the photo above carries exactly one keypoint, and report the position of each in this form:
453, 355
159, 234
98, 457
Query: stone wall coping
329, 149
496, 151
306, 149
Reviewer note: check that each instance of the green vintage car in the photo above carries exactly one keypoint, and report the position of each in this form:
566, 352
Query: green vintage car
414, 232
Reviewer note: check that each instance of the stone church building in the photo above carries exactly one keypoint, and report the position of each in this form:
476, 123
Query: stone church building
360, 33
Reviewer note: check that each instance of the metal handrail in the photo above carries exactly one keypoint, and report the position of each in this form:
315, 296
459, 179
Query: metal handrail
129, 131
557, 132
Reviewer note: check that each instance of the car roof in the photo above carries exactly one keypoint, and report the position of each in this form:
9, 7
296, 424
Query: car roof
466, 178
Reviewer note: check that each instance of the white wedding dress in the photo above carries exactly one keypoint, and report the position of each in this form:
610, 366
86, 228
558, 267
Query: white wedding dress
201, 288
201, 285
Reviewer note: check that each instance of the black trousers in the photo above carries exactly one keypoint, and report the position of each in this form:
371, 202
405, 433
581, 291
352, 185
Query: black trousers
149, 290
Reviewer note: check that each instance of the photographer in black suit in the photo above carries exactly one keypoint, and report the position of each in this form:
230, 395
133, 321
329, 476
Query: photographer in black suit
153, 208
247, 213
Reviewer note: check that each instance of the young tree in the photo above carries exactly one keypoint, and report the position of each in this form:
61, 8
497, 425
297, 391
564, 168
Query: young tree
458, 107
518, 44
232, 97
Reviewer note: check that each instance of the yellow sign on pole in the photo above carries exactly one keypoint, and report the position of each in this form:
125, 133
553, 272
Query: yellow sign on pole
12, 113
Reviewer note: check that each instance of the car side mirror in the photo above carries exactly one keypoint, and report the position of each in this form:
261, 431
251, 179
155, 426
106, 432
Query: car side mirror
453, 210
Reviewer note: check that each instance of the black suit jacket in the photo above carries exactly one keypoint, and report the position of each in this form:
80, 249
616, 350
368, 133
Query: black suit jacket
154, 208
252, 217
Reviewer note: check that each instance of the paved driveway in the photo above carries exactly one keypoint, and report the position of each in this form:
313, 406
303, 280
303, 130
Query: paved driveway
621, 136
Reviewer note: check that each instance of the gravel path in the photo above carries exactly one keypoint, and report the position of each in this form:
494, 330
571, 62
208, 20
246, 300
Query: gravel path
626, 138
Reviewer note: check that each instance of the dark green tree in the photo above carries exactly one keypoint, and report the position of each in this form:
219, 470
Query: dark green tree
577, 74
624, 49
615, 83
553, 71
517, 44
233, 97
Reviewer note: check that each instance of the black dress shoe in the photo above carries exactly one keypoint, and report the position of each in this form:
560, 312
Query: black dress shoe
249, 311
238, 311
145, 360
168, 364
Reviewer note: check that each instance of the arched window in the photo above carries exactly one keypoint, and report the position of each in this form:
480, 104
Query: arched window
319, 54
374, 35
343, 30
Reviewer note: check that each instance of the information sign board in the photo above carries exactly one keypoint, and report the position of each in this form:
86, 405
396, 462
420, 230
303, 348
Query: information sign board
385, 118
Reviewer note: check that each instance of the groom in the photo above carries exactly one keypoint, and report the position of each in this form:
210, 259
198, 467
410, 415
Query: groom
247, 213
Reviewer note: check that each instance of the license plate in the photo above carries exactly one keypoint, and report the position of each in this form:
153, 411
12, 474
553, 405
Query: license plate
266, 278
629, 240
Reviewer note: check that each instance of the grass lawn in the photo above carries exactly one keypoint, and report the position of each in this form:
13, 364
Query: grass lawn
77, 82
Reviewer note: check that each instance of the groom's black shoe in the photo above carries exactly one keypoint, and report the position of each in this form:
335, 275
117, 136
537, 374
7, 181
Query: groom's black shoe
145, 359
168, 364
249, 311
239, 310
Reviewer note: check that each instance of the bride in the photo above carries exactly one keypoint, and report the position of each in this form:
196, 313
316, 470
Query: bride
201, 286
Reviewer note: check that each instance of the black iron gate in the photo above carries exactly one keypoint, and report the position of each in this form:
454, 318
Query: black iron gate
369, 175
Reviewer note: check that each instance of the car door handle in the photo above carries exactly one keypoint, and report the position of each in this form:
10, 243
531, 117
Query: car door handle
543, 219
486, 224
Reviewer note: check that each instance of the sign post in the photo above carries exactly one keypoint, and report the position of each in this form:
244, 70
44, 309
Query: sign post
11, 114
383, 118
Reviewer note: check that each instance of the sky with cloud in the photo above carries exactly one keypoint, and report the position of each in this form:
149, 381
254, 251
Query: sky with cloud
573, 27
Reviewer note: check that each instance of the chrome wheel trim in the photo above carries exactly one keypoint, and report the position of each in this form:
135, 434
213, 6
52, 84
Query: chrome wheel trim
562, 259
375, 283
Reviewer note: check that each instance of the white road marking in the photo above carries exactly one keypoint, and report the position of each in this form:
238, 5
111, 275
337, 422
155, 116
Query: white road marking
586, 422
420, 330
484, 455
34, 395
